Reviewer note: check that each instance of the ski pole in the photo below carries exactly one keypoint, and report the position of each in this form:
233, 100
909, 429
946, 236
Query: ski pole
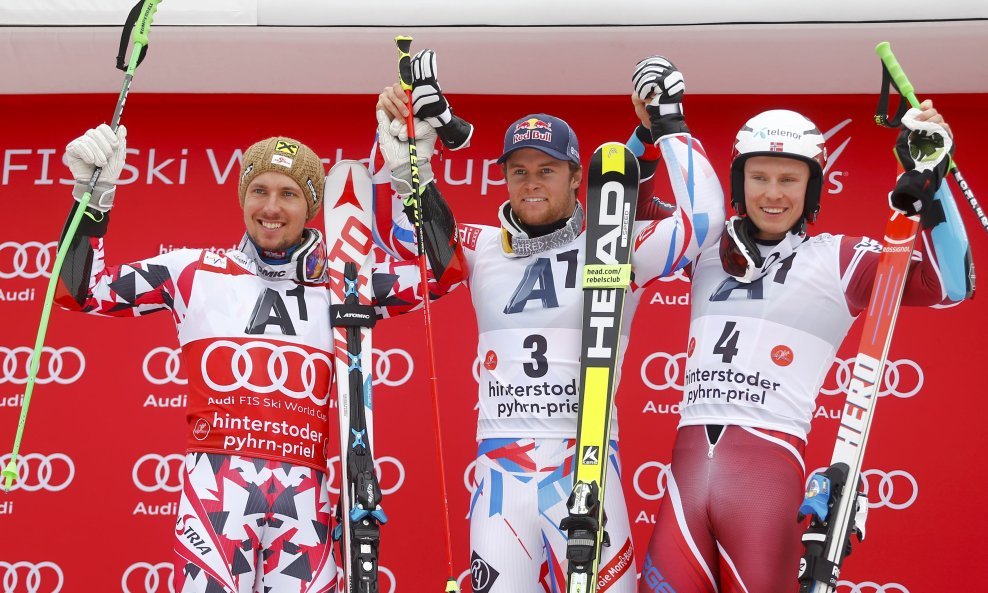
884, 51
405, 77
137, 27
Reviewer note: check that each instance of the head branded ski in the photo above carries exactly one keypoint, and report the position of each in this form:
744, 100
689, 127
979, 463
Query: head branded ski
612, 192
831, 499
348, 215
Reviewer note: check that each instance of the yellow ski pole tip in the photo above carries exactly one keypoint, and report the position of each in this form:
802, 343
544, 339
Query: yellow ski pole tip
9, 475
452, 586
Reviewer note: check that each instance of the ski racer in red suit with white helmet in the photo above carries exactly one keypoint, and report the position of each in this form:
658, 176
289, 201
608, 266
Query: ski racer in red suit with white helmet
257, 346
770, 307
524, 283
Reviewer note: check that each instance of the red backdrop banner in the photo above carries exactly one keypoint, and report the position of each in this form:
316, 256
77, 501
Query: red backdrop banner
94, 509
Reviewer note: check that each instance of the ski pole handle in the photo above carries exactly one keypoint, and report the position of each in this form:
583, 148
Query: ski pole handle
884, 51
143, 25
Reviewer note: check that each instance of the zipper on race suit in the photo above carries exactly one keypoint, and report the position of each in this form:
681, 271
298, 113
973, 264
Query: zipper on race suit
714, 432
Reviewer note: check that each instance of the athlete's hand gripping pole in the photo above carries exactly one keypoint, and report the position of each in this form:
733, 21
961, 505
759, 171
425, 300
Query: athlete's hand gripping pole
137, 28
405, 77
884, 51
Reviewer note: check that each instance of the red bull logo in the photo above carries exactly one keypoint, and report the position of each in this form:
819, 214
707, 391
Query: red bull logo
533, 123
532, 128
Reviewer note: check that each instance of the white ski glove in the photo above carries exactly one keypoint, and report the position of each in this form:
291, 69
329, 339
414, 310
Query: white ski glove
661, 86
98, 147
392, 137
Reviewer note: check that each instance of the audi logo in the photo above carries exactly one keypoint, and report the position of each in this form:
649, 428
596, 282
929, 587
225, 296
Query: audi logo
464, 579
26, 260
869, 587
379, 463
470, 478
228, 366
153, 473
897, 489
902, 378
385, 365
57, 365
43, 577
144, 577
163, 365
665, 372
651, 489
35, 471
679, 276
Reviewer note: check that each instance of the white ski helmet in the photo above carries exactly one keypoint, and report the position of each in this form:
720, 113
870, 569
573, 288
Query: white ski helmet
783, 133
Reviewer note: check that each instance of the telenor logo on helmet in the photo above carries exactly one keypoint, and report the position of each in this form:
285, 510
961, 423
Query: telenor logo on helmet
766, 132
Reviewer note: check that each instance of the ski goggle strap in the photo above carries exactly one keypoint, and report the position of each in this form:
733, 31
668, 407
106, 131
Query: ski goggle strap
738, 253
882, 116
128, 29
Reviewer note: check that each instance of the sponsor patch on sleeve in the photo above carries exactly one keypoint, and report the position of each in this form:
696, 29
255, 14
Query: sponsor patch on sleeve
469, 235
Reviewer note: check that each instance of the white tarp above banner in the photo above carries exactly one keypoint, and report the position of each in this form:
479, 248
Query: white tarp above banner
513, 46
515, 13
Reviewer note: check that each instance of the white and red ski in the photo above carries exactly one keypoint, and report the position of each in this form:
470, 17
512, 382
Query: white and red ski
831, 496
348, 212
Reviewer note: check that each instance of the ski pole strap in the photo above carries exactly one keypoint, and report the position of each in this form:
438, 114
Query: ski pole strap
882, 116
137, 26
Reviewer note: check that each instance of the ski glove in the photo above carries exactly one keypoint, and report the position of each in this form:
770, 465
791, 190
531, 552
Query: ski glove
661, 86
98, 147
392, 137
429, 103
923, 149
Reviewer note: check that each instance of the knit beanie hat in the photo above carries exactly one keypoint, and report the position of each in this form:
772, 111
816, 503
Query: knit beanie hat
290, 157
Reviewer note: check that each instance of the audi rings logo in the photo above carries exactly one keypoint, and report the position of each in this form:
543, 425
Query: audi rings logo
26, 260
869, 587
389, 480
897, 489
470, 478
650, 480
153, 473
661, 370
903, 378
392, 367
163, 365
57, 365
144, 577
679, 276
28, 577
274, 374
35, 471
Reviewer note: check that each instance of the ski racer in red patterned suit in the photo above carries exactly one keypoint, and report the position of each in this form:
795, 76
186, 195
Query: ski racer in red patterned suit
256, 343
770, 307
524, 283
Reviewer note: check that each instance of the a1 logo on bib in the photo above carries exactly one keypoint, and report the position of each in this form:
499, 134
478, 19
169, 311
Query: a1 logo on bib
591, 455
